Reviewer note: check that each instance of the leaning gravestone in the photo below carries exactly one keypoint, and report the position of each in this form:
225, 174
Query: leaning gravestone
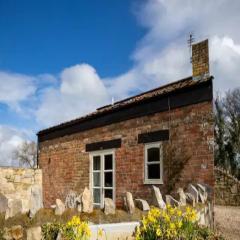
191, 189
60, 207
202, 193
109, 206
173, 202
142, 204
130, 203
182, 197
87, 201
190, 199
157, 199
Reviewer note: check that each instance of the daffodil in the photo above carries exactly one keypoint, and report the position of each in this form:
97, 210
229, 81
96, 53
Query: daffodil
159, 232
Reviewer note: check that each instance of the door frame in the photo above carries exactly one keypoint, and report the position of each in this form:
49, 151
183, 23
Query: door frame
101, 153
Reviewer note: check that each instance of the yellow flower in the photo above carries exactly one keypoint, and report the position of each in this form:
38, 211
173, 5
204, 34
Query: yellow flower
172, 211
179, 224
179, 213
188, 210
172, 226
167, 218
158, 232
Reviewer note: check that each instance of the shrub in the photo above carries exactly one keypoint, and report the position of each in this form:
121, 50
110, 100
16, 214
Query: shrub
51, 230
172, 224
75, 229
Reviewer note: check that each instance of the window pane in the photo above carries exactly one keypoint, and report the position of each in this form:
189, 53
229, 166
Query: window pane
153, 154
108, 179
153, 171
96, 179
108, 193
96, 195
108, 162
96, 163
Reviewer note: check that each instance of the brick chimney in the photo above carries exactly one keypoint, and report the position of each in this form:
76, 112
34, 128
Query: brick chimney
200, 60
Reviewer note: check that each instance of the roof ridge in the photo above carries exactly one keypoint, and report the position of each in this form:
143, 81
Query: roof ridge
127, 101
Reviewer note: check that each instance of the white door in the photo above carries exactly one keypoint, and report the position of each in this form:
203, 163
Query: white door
102, 177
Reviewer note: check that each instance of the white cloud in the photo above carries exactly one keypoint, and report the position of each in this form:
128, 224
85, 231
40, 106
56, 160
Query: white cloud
163, 56
15, 87
10, 140
81, 91
169, 23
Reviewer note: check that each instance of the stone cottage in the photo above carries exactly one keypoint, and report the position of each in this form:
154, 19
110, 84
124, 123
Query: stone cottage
161, 137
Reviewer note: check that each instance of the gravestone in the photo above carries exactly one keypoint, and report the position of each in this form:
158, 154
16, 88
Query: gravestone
157, 199
191, 189
60, 207
171, 201
109, 206
130, 203
182, 197
87, 201
142, 204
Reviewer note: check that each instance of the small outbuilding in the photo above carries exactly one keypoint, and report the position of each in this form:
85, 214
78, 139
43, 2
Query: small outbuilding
161, 137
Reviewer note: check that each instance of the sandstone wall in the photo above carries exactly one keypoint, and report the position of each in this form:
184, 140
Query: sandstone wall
227, 188
20, 188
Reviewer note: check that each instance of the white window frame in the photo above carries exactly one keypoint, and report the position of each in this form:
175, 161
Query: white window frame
102, 171
146, 163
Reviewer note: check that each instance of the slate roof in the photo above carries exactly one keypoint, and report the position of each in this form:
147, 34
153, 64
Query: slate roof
163, 90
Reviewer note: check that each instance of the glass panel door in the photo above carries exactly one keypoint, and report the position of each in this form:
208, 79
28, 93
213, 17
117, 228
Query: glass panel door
108, 176
96, 180
102, 177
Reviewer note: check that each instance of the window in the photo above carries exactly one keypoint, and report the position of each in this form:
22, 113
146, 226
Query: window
153, 163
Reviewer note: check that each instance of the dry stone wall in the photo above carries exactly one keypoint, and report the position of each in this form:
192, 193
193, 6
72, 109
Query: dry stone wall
227, 188
20, 190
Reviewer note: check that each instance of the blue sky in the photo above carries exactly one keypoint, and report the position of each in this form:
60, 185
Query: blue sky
62, 59
47, 36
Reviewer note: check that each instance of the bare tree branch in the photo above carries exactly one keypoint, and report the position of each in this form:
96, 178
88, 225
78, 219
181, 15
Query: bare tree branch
26, 154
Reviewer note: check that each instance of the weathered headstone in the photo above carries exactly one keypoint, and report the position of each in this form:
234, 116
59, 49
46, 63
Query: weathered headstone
190, 199
109, 206
182, 197
170, 200
36, 200
71, 200
130, 203
157, 199
142, 204
202, 193
191, 189
34, 233
87, 201
60, 207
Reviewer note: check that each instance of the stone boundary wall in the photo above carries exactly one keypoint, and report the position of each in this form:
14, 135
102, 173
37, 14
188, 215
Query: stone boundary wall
227, 188
20, 190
